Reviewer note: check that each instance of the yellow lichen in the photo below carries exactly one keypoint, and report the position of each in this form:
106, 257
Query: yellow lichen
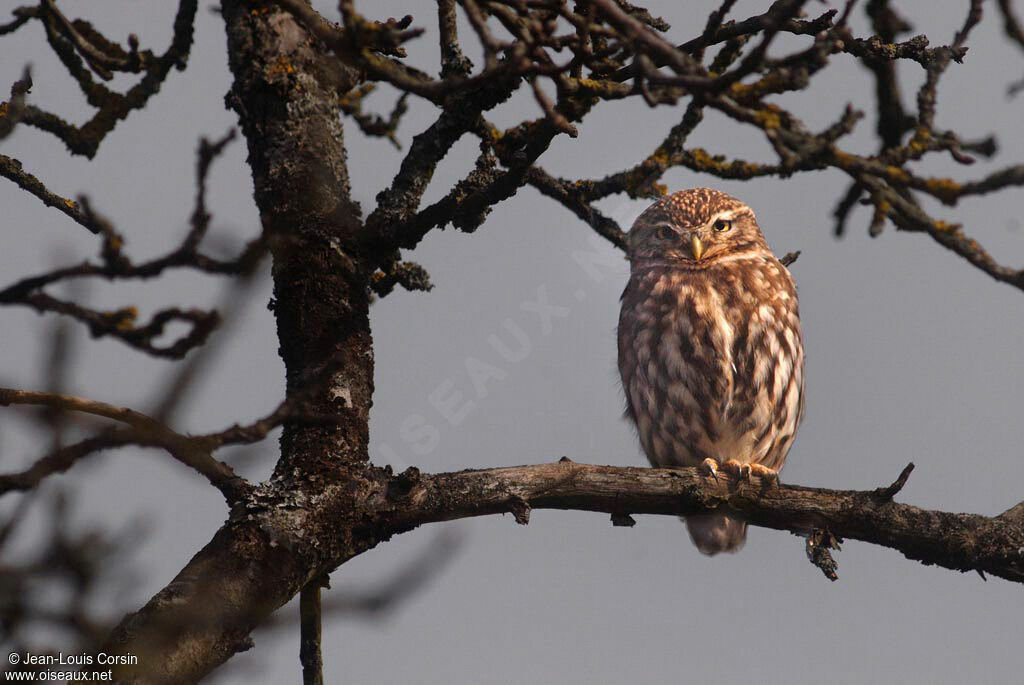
280, 66
918, 144
945, 189
741, 89
660, 157
767, 118
896, 174
124, 318
843, 159
702, 159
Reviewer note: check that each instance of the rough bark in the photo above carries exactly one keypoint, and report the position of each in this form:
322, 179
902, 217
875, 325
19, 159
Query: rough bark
286, 93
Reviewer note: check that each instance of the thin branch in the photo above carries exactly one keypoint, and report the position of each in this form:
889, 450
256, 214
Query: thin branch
384, 596
121, 324
387, 595
309, 633
453, 61
374, 125
74, 40
887, 493
116, 265
568, 195
99, 61
64, 457
12, 169
22, 15
468, 203
194, 452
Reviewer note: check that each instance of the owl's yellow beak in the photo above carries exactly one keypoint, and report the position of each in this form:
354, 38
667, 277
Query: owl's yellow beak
697, 247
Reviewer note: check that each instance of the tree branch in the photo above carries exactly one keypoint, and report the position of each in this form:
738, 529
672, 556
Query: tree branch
271, 549
114, 264
75, 42
12, 169
963, 542
309, 626
144, 430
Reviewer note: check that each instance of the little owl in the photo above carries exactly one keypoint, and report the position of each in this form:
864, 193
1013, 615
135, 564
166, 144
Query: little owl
710, 352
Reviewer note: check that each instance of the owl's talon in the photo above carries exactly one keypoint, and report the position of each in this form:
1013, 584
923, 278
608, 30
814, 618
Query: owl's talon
741, 471
767, 475
709, 467
736, 469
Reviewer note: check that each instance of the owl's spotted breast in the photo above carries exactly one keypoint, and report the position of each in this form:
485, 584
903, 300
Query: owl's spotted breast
708, 367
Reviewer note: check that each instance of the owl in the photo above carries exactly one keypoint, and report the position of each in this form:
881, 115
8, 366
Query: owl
710, 350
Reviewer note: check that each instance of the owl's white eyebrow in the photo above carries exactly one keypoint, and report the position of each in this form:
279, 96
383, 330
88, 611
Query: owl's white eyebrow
730, 214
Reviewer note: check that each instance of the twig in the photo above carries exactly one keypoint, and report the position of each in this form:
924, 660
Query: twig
309, 641
887, 493
12, 169
820, 543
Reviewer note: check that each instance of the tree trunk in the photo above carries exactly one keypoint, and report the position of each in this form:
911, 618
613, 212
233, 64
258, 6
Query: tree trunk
286, 94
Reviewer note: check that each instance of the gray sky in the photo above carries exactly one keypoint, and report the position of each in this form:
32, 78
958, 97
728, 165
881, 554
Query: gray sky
912, 355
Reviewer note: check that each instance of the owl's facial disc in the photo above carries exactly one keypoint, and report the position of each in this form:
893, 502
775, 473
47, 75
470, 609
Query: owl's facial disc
694, 229
699, 243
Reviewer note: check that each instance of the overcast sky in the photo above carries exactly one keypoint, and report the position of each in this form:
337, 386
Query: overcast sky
912, 355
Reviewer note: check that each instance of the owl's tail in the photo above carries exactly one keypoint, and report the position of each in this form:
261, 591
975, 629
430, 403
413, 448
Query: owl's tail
714, 533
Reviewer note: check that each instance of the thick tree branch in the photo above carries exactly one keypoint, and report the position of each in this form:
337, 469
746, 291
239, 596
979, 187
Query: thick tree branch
271, 549
962, 542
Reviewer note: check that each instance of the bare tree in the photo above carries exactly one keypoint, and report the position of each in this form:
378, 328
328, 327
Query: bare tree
297, 77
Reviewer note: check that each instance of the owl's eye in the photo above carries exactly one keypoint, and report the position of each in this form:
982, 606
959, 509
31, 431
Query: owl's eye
666, 232
723, 225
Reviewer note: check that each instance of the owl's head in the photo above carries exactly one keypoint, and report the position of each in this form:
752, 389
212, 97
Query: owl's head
694, 228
